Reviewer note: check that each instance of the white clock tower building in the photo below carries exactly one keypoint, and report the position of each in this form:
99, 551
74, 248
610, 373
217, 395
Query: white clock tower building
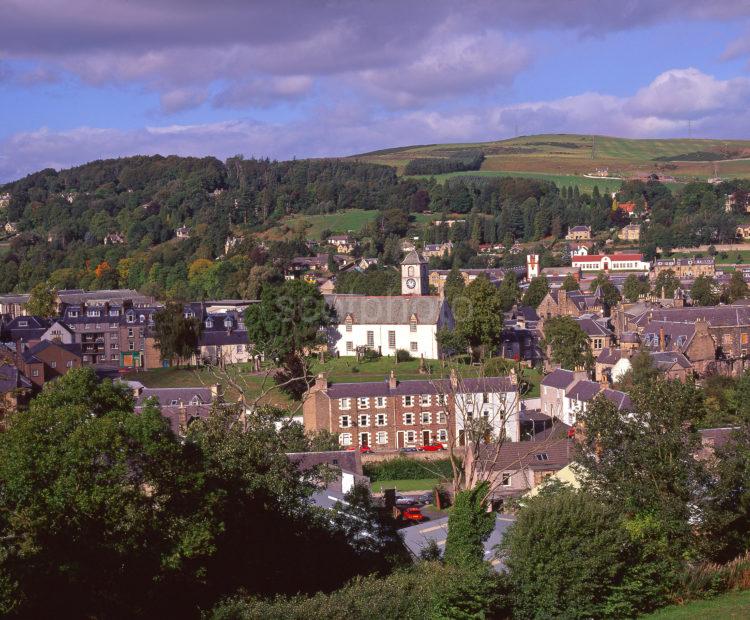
414, 278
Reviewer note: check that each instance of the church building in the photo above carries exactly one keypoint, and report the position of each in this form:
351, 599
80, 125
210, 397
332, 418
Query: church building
388, 323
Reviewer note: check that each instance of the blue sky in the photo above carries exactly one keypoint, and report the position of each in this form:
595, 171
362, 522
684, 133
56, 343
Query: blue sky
85, 79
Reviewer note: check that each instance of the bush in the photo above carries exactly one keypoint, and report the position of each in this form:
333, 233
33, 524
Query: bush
428, 590
402, 468
458, 162
570, 556
710, 579
402, 355
370, 355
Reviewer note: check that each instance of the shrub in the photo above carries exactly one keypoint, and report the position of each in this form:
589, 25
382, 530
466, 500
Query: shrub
370, 355
708, 579
428, 590
402, 355
569, 556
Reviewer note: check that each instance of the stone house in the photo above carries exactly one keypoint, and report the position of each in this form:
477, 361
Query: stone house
579, 233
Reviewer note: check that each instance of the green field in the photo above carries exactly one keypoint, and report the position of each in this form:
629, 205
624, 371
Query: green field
584, 184
424, 484
731, 606
730, 259
311, 226
563, 155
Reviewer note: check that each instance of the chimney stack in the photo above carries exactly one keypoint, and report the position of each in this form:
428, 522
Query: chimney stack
662, 339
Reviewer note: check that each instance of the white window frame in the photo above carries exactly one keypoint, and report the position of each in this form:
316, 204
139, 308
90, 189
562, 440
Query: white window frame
381, 419
349, 345
345, 421
414, 346
425, 417
363, 419
363, 402
345, 403
408, 418
442, 435
507, 479
408, 401
410, 436
380, 402
381, 437
345, 439
425, 400
441, 417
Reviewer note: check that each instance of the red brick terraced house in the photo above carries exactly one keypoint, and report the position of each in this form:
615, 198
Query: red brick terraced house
392, 414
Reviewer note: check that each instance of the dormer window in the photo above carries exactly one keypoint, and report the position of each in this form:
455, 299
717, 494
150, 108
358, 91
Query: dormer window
209, 323
173, 403
114, 313
196, 400
348, 322
73, 314
413, 323
93, 313
142, 318
227, 322
130, 317
23, 323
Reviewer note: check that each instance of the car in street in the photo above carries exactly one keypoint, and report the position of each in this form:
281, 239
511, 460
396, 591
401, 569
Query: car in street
432, 447
409, 449
412, 513
426, 498
362, 449
404, 500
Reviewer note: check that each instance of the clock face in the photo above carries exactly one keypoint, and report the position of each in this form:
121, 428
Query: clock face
411, 283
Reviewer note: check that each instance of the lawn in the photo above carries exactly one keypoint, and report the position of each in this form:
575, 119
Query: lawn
338, 370
423, 484
730, 606
731, 256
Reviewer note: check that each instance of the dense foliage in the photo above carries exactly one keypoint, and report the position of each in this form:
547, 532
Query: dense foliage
457, 162
117, 517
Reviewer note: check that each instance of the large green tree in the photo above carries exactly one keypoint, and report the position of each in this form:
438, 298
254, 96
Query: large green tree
42, 301
737, 287
177, 336
568, 343
538, 288
479, 316
454, 285
609, 293
570, 283
704, 291
665, 284
469, 526
634, 287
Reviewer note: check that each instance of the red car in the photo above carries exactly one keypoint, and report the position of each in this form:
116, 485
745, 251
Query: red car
435, 447
362, 449
412, 514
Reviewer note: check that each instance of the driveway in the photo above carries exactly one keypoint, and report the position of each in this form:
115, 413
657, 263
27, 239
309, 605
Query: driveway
416, 537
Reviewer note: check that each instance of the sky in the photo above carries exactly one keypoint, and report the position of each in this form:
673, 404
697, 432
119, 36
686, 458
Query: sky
89, 79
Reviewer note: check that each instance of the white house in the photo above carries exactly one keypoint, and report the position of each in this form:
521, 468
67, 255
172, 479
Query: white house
58, 332
612, 262
494, 399
387, 323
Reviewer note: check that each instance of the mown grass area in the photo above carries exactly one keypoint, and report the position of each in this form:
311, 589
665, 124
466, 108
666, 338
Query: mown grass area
423, 484
741, 257
338, 370
730, 606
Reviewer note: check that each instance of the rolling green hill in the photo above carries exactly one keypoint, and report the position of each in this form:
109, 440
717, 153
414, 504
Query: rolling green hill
560, 156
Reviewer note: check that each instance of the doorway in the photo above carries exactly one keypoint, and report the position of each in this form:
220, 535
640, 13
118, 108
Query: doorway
363, 439
426, 438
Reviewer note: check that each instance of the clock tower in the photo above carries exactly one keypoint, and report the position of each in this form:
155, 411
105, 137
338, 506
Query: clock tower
414, 279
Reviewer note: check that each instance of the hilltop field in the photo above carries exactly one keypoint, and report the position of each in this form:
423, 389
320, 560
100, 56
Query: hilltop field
566, 158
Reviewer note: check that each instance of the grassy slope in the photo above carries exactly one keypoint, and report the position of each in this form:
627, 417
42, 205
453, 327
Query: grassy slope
313, 225
338, 371
571, 154
734, 605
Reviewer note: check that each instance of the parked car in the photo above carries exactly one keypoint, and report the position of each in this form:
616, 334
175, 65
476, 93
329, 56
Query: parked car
404, 500
362, 449
433, 447
426, 498
409, 449
412, 514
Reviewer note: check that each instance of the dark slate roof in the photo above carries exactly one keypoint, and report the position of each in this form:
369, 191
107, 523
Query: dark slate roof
584, 390
382, 310
559, 379
664, 360
675, 334
413, 258
346, 460
592, 327
415, 387
609, 355
620, 399
223, 337
12, 379
74, 348
716, 437
515, 455
630, 337
183, 395
715, 316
